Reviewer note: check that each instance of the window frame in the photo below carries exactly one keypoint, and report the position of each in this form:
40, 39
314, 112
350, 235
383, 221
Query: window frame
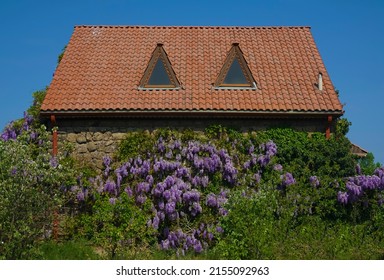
235, 53
159, 53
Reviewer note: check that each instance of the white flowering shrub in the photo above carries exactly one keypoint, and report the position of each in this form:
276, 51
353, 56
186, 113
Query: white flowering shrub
31, 183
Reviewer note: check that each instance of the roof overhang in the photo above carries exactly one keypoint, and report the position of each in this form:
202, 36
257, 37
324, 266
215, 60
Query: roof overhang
190, 113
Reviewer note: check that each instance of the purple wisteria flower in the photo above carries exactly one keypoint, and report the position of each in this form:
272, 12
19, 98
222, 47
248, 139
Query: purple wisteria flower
353, 189
219, 229
204, 181
14, 171
342, 197
140, 199
251, 149
211, 200
278, 167
360, 185
314, 181
110, 187
10, 133
257, 177
107, 162
33, 136
128, 191
263, 160
53, 162
358, 169
80, 196
287, 179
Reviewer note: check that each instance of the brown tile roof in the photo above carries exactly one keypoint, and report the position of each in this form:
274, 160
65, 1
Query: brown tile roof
103, 65
358, 151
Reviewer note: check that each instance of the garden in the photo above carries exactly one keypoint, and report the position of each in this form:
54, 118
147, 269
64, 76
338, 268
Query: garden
170, 194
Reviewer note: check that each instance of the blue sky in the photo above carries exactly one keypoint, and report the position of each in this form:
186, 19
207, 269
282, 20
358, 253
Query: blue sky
349, 35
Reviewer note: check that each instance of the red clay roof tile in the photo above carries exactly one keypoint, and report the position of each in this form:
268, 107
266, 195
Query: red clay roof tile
103, 65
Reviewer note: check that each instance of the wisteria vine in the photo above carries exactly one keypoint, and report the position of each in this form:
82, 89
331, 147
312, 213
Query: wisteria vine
187, 185
360, 187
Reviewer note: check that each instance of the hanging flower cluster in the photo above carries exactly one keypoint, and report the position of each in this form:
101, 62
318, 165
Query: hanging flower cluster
361, 186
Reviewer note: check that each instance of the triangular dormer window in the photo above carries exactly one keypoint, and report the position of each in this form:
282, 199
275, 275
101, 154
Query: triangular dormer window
159, 72
235, 71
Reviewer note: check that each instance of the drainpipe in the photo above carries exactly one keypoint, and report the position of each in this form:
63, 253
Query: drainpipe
54, 136
328, 130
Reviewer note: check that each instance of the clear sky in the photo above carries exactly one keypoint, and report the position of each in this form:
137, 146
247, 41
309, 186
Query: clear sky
349, 35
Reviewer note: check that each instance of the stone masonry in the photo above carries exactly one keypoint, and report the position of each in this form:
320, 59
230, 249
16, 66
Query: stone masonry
91, 147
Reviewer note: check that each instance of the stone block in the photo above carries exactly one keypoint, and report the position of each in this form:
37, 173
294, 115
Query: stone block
119, 136
91, 147
88, 136
109, 143
110, 149
97, 136
81, 149
81, 139
71, 137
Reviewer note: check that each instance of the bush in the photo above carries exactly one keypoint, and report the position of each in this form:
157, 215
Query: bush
118, 226
265, 226
67, 250
30, 190
276, 194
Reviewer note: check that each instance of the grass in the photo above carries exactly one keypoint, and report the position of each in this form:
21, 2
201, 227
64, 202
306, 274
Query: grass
68, 250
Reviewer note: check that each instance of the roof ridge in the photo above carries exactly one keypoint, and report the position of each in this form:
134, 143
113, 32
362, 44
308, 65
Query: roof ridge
193, 27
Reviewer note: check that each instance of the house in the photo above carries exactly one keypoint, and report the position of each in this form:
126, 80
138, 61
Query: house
114, 79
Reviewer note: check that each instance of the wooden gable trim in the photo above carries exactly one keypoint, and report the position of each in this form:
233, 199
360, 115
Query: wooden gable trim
235, 53
159, 53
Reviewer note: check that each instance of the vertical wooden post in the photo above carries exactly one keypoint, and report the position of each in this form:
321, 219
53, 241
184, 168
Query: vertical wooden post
328, 130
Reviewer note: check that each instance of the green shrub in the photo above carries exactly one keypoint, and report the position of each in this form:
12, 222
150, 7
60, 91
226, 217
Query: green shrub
67, 250
117, 226
135, 143
260, 227
30, 191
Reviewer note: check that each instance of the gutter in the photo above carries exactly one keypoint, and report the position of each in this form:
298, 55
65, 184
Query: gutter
188, 113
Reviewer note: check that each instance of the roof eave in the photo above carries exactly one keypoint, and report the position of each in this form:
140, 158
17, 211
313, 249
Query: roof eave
188, 113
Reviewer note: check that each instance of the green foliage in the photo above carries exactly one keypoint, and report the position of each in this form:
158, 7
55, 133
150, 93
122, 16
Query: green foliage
30, 185
38, 98
135, 143
60, 57
118, 227
67, 250
342, 127
262, 215
367, 164
264, 227
306, 155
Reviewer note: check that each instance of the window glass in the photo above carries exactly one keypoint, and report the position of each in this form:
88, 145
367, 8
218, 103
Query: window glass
235, 75
159, 75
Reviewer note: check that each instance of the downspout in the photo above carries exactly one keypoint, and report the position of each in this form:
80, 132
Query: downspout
329, 125
54, 136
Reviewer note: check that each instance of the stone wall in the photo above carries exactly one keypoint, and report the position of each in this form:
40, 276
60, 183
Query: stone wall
93, 138
91, 147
